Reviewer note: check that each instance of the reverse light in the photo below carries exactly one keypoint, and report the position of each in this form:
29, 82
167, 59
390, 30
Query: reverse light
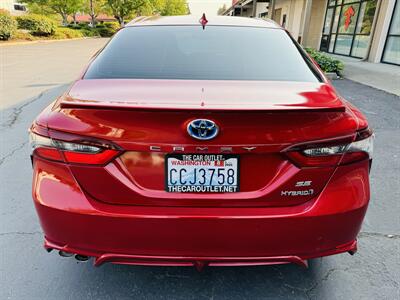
334, 153
71, 152
323, 151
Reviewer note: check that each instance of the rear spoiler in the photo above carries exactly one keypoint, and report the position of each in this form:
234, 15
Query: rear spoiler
137, 106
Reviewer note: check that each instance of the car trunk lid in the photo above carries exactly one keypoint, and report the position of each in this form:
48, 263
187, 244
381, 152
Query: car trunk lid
148, 119
202, 95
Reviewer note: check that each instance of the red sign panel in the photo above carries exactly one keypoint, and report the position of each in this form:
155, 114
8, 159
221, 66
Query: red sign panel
349, 14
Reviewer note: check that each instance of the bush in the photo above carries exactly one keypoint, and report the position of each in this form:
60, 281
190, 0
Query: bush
326, 63
89, 32
8, 26
73, 26
67, 33
105, 31
113, 25
83, 26
37, 24
22, 35
101, 31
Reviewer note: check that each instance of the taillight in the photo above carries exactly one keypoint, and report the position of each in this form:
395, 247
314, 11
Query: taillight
71, 152
339, 152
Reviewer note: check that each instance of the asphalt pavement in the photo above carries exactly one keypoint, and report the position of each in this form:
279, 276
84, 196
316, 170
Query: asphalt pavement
34, 75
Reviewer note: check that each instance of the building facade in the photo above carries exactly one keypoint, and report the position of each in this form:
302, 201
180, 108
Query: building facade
365, 29
13, 7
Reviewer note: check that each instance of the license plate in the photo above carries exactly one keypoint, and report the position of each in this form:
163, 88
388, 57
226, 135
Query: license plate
202, 173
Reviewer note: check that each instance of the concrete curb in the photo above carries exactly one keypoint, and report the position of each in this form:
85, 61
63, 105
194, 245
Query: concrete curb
5, 44
380, 76
332, 76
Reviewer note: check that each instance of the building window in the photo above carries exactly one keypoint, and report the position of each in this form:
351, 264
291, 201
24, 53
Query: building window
347, 27
391, 52
263, 15
20, 7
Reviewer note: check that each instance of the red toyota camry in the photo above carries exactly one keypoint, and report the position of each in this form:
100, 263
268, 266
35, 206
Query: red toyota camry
187, 143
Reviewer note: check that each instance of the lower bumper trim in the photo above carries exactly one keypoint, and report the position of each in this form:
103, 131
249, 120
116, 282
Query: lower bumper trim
199, 262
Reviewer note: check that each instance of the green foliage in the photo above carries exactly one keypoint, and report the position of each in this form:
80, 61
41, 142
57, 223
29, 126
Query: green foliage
79, 26
147, 9
37, 24
61, 7
93, 8
121, 9
67, 33
23, 35
175, 8
368, 17
124, 9
89, 32
163, 7
105, 31
326, 63
113, 25
8, 26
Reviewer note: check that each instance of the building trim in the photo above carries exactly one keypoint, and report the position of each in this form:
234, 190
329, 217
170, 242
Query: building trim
389, 35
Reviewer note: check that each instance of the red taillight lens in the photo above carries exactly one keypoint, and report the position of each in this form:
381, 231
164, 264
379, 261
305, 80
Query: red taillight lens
301, 160
49, 153
334, 153
99, 158
78, 153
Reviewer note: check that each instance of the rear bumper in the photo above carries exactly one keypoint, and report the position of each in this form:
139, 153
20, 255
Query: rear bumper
201, 236
199, 261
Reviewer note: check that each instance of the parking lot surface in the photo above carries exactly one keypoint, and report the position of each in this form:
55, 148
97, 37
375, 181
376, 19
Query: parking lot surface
34, 75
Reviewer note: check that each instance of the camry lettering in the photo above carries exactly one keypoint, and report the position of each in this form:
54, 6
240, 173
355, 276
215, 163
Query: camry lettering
155, 148
201, 148
249, 148
226, 149
178, 149
223, 149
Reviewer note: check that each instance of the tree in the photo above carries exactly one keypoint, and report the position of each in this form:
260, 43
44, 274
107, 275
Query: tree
61, 7
174, 8
163, 7
151, 7
94, 7
121, 9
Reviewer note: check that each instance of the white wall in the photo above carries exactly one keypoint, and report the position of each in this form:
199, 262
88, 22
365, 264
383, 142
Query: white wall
382, 28
261, 8
293, 9
297, 14
7, 4
314, 35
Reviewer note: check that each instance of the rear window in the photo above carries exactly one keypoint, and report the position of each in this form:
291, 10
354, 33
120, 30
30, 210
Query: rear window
189, 52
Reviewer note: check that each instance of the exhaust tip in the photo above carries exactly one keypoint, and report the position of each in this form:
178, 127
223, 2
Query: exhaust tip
352, 252
79, 257
65, 254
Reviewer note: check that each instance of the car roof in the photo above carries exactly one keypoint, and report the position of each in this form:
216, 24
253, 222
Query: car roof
194, 20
